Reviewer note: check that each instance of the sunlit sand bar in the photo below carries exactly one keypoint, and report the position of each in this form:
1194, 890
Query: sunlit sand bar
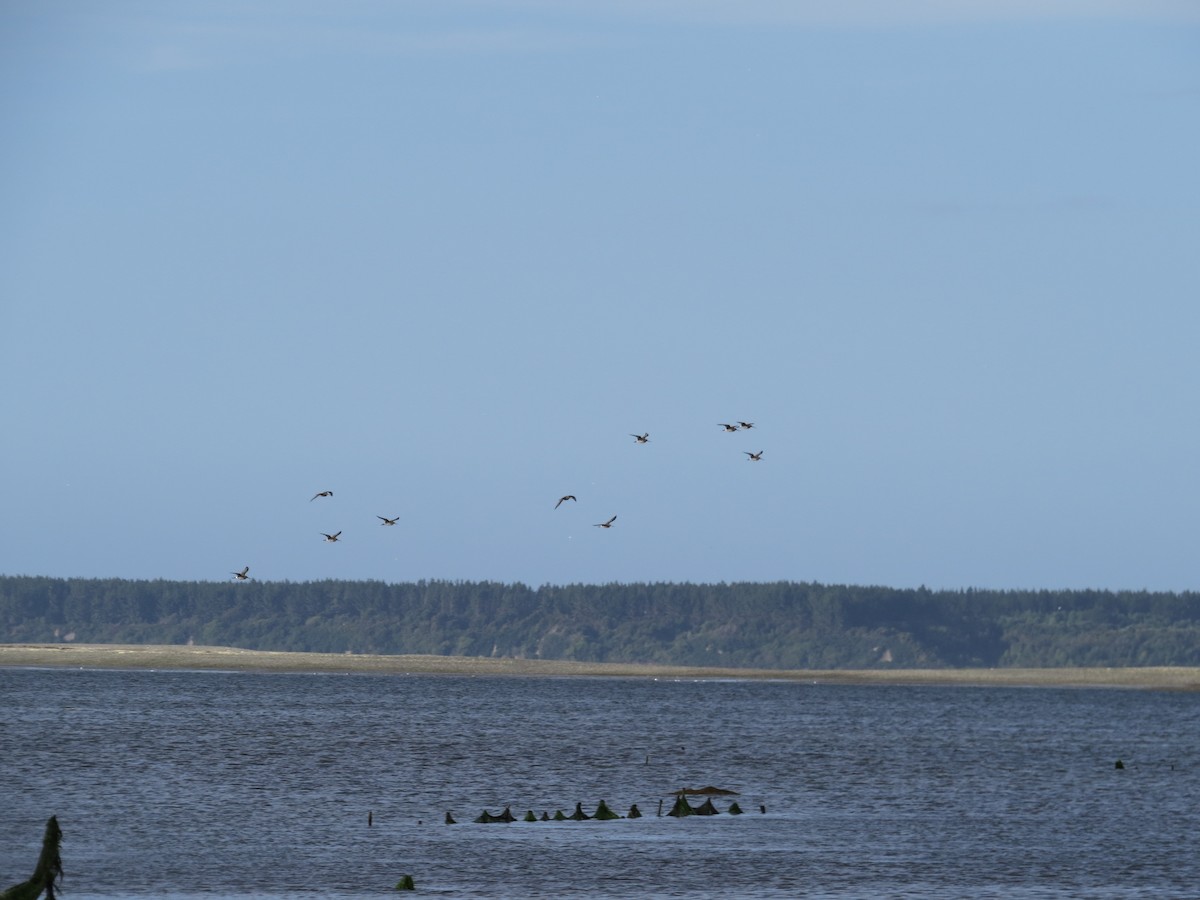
138, 656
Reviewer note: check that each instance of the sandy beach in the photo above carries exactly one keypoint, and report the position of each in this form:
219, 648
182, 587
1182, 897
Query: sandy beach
136, 656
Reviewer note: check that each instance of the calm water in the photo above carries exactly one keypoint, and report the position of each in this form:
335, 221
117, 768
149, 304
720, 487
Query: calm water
214, 785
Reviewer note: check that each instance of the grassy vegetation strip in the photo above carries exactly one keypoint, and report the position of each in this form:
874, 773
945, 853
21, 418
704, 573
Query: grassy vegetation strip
137, 656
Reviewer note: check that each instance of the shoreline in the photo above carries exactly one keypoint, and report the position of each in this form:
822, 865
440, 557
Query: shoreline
231, 659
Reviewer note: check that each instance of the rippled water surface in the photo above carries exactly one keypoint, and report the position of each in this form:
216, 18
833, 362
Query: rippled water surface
219, 785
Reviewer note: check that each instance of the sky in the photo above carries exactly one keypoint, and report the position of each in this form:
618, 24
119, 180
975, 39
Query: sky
444, 258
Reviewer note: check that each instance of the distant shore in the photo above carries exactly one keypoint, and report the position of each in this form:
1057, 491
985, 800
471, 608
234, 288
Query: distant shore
231, 659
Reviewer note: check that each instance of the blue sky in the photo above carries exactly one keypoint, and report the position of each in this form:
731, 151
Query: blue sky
444, 258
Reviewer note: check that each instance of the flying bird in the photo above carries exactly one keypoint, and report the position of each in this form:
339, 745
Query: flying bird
563, 499
746, 425
641, 438
331, 537
241, 576
607, 524
727, 426
385, 521
754, 457
320, 494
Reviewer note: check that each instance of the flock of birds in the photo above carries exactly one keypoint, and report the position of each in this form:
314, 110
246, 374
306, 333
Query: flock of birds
644, 438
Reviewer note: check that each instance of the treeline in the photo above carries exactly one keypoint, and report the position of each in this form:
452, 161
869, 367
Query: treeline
763, 625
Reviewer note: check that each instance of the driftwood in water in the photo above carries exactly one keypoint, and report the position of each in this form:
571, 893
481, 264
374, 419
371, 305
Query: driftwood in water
708, 791
49, 868
680, 809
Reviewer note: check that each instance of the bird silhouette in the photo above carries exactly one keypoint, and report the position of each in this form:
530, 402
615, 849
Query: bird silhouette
641, 438
241, 576
727, 426
746, 425
563, 499
331, 537
385, 521
754, 457
607, 524
320, 494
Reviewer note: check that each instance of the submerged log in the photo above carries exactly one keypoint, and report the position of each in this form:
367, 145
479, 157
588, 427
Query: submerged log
48, 871
707, 791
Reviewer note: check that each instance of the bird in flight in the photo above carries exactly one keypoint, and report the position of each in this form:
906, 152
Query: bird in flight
563, 499
331, 537
641, 438
241, 576
727, 426
746, 425
754, 457
607, 524
320, 494
385, 521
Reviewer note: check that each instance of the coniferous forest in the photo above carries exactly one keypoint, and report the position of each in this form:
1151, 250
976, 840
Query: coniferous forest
754, 625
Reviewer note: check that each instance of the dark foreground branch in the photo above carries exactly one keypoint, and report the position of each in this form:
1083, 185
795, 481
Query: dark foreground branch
49, 868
